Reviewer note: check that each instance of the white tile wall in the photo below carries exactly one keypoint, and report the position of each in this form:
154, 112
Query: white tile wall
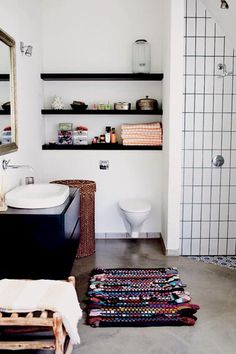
223, 229
225, 177
197, 194
197, 173
205, 229
188, 176
224, 213
204, 247
187, 227
196, 230
195, 246
222, 247
189, 121
189, 84
208, 217
231, 247
208, 121
232, 229
213, 247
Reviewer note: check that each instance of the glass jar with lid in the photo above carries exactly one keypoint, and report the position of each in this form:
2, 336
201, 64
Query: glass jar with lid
141, 56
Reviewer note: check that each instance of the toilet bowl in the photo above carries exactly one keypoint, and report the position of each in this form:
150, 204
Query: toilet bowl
135, 212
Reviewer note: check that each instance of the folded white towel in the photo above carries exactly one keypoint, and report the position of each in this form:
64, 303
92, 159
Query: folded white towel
38, 295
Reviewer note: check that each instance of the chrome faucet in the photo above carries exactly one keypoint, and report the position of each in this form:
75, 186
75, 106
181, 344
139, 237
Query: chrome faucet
6, 165
222, 67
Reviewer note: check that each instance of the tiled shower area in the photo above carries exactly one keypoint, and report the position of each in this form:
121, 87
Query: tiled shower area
208, 213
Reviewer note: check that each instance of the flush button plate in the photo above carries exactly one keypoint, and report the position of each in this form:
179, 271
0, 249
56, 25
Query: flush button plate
104, 164
218, 161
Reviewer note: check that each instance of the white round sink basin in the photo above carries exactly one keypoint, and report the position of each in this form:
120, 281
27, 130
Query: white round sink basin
33, 196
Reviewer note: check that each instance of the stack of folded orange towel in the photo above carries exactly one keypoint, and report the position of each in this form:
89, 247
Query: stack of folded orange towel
142, 134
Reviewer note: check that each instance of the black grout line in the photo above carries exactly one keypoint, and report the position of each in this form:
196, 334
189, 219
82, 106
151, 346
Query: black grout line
209, 168
203, 37
211, 131
230, 156
184, 117
207, 94
203, 140
203, 149
198, 112
212, 238
194, 117
213, 121
208, 185
204, 203
196, 17
207, 75
210, 221
207, 55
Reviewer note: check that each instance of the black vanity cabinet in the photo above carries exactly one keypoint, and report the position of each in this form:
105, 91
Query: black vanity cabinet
40, 243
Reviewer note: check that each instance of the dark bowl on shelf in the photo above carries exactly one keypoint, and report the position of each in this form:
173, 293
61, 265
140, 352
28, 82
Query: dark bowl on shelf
79, 107
6, 106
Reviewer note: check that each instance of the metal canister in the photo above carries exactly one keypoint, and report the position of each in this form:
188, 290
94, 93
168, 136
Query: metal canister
147, 104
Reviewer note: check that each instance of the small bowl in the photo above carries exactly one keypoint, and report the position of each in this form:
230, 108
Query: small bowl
6, 106
79, 107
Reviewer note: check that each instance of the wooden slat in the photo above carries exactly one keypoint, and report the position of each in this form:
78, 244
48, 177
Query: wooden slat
30, 315
71, 279
19, 345
25, 321
14, 315
44, 314
39, 319
59, 334
69, 348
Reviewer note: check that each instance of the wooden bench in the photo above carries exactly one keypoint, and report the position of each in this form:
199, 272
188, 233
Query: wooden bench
23, 325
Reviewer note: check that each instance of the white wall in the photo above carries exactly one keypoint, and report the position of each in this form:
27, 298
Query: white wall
172, 102
94, 36
21, 19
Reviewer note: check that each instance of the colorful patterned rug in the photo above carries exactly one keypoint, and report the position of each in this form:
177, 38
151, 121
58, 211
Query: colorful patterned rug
138, 297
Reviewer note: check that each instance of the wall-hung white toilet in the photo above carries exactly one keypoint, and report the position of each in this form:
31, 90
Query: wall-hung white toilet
135, 211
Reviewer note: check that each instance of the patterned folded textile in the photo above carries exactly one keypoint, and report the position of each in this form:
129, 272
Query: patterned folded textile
154, 125
144, 142
141, 135
149, 134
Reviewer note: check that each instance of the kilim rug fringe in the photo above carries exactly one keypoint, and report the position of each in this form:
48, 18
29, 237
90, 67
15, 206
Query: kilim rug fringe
138, 297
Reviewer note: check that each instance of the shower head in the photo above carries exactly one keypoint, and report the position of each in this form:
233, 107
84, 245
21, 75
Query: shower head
224, 4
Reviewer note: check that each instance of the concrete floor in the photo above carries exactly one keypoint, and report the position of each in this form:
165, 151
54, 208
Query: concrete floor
212, 287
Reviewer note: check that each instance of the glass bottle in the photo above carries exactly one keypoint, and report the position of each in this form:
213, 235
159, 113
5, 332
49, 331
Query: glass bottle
113, 136
108, 135
141, 56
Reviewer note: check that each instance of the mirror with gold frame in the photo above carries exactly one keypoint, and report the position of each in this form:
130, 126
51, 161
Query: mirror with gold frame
8, 136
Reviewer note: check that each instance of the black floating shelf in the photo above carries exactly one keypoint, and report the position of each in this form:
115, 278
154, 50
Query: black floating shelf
101, 77
4, 113
101, 111
4, 77
99, 147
